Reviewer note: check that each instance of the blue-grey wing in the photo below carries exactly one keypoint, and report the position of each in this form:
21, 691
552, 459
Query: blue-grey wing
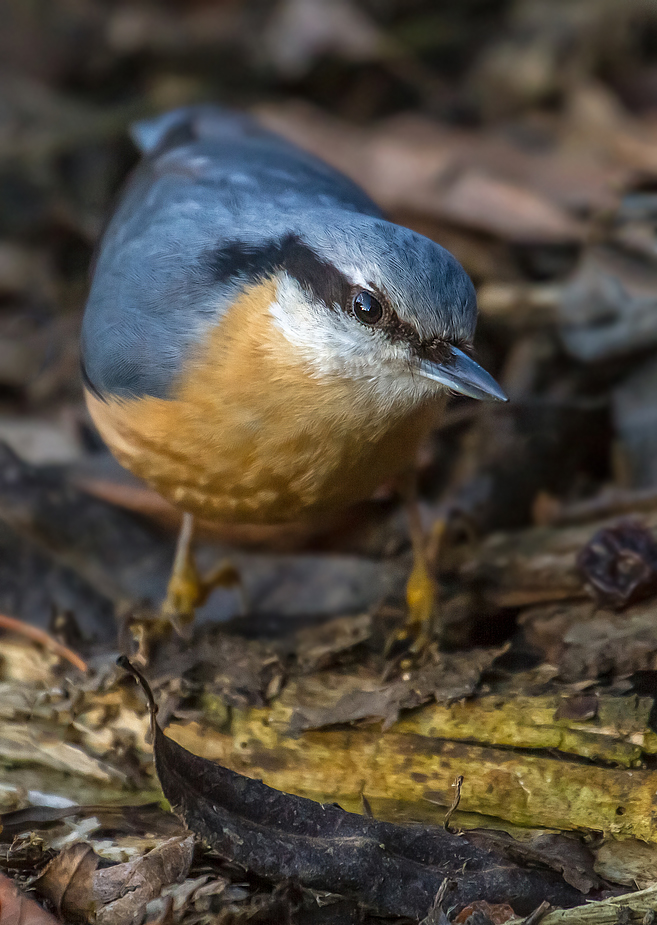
209, 179
237, 146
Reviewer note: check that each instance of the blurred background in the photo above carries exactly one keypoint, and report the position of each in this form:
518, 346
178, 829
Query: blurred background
520, 134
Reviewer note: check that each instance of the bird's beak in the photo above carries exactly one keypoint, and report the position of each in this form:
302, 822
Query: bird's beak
463, 375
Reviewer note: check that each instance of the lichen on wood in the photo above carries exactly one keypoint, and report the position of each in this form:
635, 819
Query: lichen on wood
487, 740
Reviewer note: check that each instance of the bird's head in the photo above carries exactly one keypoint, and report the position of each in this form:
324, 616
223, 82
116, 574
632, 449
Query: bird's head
361, 298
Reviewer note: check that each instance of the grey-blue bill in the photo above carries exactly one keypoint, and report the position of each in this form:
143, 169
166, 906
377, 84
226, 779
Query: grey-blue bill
461, 374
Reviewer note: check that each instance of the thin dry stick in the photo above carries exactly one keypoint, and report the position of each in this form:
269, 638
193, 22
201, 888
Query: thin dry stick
535, 917
40, 636
458, 783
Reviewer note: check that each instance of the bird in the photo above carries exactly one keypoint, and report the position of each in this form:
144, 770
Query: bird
260, 343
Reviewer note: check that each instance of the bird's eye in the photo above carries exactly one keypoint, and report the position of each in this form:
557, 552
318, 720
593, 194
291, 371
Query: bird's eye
367, 309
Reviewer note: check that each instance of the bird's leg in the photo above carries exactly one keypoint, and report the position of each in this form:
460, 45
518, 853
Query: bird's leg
421, 587
183, 590
187, 589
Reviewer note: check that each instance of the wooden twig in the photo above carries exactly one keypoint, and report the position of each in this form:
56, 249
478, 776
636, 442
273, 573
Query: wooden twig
44, 639
606, 911
538, 914
458, 783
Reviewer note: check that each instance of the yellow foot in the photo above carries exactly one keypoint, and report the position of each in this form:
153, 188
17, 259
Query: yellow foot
183, 597
417, 633
421, 600
187, 589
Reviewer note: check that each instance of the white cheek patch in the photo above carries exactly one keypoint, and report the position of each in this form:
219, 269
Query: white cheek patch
300, 321
331, 343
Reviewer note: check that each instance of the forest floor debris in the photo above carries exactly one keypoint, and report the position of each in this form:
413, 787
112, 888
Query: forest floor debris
521, 135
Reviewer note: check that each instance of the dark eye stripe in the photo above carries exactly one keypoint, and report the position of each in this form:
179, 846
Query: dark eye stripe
235, 259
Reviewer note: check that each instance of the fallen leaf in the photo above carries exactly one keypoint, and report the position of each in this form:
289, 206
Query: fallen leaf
17, 909
392, 869
497, 914
115, 895
629, 861
455, 677
567, 855
507, 210
564, 854
67, 882
122, 892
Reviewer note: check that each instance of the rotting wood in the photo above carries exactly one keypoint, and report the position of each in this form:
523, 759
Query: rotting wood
411, 768
619, 732
341, 764
530, 566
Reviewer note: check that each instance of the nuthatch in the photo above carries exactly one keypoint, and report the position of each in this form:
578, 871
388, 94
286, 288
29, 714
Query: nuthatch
259, 343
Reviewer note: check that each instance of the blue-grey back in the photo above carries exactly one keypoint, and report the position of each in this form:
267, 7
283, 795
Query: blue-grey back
208, 178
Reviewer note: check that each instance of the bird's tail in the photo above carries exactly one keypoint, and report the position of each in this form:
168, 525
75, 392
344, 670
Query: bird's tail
190, 123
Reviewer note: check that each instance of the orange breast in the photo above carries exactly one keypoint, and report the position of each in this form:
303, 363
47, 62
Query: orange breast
250, 436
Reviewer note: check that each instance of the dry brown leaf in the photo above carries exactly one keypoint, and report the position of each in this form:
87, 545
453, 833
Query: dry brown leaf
124, 891
17, 909
67, 882
567, 855
116, 895
630, 862
506, 210
455, 676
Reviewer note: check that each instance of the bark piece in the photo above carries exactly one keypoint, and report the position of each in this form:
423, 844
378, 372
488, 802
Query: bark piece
630, 907
585, 642
533, 566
